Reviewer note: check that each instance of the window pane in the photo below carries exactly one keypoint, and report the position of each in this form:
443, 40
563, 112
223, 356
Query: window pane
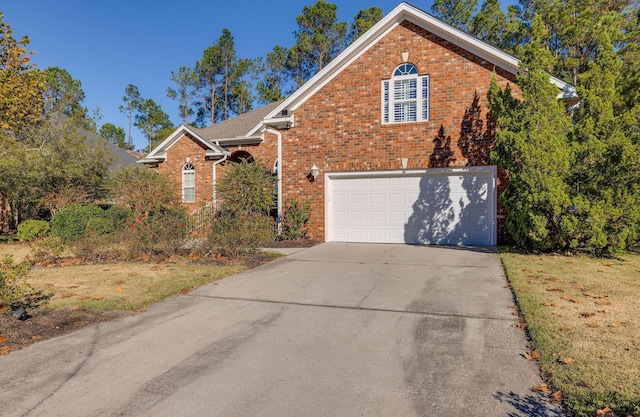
405, 89
189, 194
425, 97
188, 179
385, 101
405, 112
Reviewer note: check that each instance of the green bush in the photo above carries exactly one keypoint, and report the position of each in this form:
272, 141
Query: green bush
243, 223
15, 290
295, 216
71, 223
97, 226
119, 216
30, 230
47, 249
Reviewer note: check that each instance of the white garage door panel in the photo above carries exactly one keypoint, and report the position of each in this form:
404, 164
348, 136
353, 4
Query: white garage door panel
433, 208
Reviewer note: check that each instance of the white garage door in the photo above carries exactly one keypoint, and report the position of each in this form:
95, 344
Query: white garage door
434, 206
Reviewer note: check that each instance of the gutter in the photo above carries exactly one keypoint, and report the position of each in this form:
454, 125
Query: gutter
279, 180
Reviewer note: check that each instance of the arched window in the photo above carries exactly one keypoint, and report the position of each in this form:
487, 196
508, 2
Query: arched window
188, 183
405, 96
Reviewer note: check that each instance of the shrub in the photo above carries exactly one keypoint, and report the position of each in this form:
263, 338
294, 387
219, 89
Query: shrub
15, 290
71, 223
233, 236
119, 216
97, 226
295, 216
154, 231
47, 249
30, 230
243, 223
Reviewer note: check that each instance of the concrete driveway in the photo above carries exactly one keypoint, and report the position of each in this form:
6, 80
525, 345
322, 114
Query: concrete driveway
334, 330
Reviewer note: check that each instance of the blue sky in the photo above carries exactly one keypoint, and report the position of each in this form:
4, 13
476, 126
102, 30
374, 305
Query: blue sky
108, 44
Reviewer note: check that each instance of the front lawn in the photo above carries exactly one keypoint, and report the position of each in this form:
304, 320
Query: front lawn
582, 317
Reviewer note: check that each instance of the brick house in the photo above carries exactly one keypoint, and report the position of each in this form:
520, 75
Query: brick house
390, 142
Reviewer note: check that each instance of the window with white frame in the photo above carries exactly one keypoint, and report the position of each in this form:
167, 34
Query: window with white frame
405, 96
188, 183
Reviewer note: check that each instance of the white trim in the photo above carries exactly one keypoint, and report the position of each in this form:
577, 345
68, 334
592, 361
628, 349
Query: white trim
490, 169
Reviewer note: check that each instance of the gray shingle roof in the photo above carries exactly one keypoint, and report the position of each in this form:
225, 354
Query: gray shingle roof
238, 126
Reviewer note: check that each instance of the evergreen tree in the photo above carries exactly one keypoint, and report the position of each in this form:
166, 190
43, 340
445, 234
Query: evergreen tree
319, 38
131, 100
457, 13
275, 77
187, 81
363, 21
532, 146
153, 122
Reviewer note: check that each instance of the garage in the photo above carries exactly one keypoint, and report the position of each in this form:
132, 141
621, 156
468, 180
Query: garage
455, 206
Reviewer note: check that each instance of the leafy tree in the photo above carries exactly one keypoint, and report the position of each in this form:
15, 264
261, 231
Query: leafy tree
21, 84
186, 80
114, 134
319, 38
457, 13
532, 146
64, 95
275, 76
131, 100
153, 122
363, 21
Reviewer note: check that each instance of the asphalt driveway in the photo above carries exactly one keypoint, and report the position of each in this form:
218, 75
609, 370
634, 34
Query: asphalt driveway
333, 330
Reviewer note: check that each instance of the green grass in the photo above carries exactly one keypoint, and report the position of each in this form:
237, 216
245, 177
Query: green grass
582, 316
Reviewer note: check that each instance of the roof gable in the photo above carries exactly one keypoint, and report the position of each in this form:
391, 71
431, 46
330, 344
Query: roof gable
159, 153
402, 12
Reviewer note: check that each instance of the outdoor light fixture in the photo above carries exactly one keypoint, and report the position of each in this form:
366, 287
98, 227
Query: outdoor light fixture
313, 174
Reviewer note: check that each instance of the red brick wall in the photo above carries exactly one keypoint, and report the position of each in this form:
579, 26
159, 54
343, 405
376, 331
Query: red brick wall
339, 128
177, 155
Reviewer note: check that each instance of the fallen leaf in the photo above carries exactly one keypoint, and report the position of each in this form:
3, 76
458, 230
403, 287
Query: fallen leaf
119, 290
154, 268
587, 314
528, 357
605, 311
543, 388
206, 275
5, 350
605, 412
142, 310
555, 289
96, 297
614, 325
132, 274
185, 290
68, 295
593, 325
120, 281
79, 308
578, 287
535, 354
3, 339
565, 329
557, 397
566, 361
602, 303
36, 337
553, 279
571, 300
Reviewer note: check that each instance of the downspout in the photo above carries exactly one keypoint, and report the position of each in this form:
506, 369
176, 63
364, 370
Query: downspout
279, 180
214, 195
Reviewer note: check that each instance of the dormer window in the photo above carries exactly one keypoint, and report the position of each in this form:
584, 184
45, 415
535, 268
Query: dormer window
188, 183
405, 96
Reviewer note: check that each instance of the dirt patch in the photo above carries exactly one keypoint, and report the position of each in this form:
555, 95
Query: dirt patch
46, 324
